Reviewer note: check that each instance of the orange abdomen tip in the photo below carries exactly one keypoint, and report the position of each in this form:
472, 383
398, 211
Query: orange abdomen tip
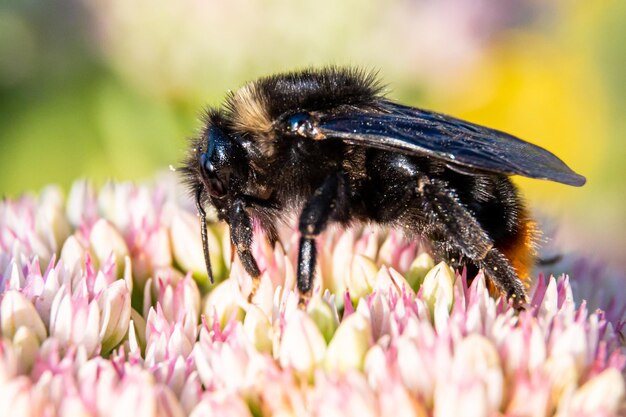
522, 250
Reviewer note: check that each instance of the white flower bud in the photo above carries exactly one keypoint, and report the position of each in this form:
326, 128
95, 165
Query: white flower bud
323, 315
388, 280
224, 303
73, 252
438, 288
258, 328
16, 311
52, 223
351, 342
414, 373
477, 356
105, 240
361, 276
187, 245
302, 346
115, 309
601, 395
230, 405
18, 397
26, 344
113, 203
418, 270
9, 362
75, 321
136, 332
81, 202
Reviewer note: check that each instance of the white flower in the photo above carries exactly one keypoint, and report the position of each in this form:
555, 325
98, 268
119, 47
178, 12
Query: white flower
16, 311
419, 268
187, 244
26, 344
114, 303
302, 346
81, 203
389, 280
601, 395
106, 240
73, 252
52, 224
438, 290
361, 276
324, 316
258, 327
224, 303
75, 321
349, 345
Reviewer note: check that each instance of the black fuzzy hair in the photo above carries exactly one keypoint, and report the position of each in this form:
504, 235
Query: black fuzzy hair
313, 89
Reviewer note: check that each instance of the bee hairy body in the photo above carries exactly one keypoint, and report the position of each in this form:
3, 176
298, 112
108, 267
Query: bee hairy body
328, 146
382, 187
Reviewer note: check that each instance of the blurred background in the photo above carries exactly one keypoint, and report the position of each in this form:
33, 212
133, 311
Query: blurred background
111, 88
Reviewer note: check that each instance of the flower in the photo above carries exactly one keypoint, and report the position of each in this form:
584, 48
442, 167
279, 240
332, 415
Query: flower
349, 344
187, 246
121, 311
302, 346
438, 290
17, 312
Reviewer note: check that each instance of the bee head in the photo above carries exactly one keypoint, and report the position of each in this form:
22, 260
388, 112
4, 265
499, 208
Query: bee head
222, 164
216, 170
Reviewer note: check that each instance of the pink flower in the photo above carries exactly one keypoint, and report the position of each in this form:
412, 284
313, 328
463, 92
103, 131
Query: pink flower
214, 405
348, 395
349, 344
302, 346
124, 322
94, 321
18, 398
17, 312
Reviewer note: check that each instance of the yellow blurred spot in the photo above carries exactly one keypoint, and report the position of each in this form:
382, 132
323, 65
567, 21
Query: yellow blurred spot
541, 93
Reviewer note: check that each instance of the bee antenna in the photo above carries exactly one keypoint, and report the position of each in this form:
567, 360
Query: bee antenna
203, 232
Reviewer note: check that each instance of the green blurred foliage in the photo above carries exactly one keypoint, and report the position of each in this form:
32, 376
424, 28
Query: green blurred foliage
111, 89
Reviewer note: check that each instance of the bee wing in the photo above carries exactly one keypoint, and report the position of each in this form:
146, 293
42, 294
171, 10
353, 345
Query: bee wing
460, 143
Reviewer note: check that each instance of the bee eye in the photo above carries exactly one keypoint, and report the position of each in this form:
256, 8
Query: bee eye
223, 163
206, 164
299, 123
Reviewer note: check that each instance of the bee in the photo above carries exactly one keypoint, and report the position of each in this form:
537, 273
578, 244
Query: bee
328, 145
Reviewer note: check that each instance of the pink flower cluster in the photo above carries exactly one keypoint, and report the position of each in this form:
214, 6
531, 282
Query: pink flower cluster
105, 309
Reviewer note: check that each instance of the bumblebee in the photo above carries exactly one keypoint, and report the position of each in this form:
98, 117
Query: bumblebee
327, 144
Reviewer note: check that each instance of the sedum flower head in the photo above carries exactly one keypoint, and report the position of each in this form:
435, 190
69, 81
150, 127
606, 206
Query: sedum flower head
105, 309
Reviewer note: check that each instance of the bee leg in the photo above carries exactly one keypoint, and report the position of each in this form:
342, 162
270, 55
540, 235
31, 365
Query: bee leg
329, 202
453, 228
503, 275
241, 238
266, 215
454, 257
448, 220
495, 265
